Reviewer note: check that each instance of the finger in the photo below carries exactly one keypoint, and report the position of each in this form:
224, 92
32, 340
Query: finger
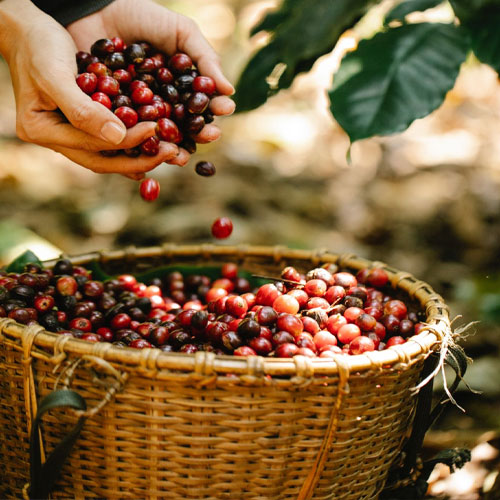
222, 105
209, 133
120, 164
181, 159
175, 32
135, 177
87, 115
192, 41
50, 129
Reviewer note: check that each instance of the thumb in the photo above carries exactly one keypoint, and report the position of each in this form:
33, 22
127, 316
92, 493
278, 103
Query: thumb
88, 115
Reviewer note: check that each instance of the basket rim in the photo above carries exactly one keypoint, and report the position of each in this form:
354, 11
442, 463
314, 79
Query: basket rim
206, 363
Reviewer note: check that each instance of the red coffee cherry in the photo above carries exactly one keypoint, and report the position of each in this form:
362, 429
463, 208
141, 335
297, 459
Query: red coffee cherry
222, 228
149, 189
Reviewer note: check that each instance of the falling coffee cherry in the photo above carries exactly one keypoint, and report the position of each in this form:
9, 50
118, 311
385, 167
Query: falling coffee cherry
150, 189
222, 228
205, 168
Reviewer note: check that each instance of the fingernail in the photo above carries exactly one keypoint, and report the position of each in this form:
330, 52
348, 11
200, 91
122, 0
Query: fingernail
113, 132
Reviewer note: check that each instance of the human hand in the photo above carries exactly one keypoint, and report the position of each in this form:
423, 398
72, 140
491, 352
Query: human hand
43, 78
167, 31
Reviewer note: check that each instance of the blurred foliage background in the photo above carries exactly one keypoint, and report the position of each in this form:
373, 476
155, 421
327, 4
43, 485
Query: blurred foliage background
426, 201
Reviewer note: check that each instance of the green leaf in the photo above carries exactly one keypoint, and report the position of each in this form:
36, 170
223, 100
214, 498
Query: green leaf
485, 36
406, 7
396, 77
275, 17
303, 30
468, 9
252, 88
19, 263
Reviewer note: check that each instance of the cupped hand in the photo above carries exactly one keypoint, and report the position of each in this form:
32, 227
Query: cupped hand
41, 58
169, 32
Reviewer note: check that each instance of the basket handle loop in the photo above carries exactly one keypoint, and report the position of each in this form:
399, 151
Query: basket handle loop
44, 475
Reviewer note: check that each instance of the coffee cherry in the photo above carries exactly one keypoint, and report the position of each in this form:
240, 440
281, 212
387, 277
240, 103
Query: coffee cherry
149, 189
142, 95
167, 130
222, 228
361, 344
286, 350
101, 98
98, 69
261, 346
87, 82
164, 75
115, 61
66, 285
205, 168
122, 100
122, 76
348, 333
197, 103
194, 124
204, 84
180, 63
147, 112
127, 115
102, 47
134, 53
151, 146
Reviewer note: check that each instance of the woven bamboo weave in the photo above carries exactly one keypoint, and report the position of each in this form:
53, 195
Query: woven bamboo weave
200, 426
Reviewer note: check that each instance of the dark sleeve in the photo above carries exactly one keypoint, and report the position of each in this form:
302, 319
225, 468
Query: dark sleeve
67, 11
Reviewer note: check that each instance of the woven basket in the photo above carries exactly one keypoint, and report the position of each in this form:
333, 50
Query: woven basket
200, 426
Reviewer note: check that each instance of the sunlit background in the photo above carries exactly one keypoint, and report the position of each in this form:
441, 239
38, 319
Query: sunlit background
426, 201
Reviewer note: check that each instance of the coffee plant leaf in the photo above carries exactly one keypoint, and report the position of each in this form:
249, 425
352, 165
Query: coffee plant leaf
396, 77
485, 36
400, 11
274, 18
19, 263
302, 31
466, 10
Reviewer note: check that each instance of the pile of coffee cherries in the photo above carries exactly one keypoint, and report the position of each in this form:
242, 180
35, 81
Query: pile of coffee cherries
323, 313
140, 83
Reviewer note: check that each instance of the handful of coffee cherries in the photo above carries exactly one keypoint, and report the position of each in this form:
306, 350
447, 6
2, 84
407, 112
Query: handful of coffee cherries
140, 83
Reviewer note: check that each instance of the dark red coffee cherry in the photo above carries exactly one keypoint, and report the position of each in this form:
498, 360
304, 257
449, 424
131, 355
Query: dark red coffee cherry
134, 53
194, 124
222, 227
122, 100
198, 103
180, 63
164, 75
149, 189
115, 61
148, 112
151, 146
102, 47
205, 168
